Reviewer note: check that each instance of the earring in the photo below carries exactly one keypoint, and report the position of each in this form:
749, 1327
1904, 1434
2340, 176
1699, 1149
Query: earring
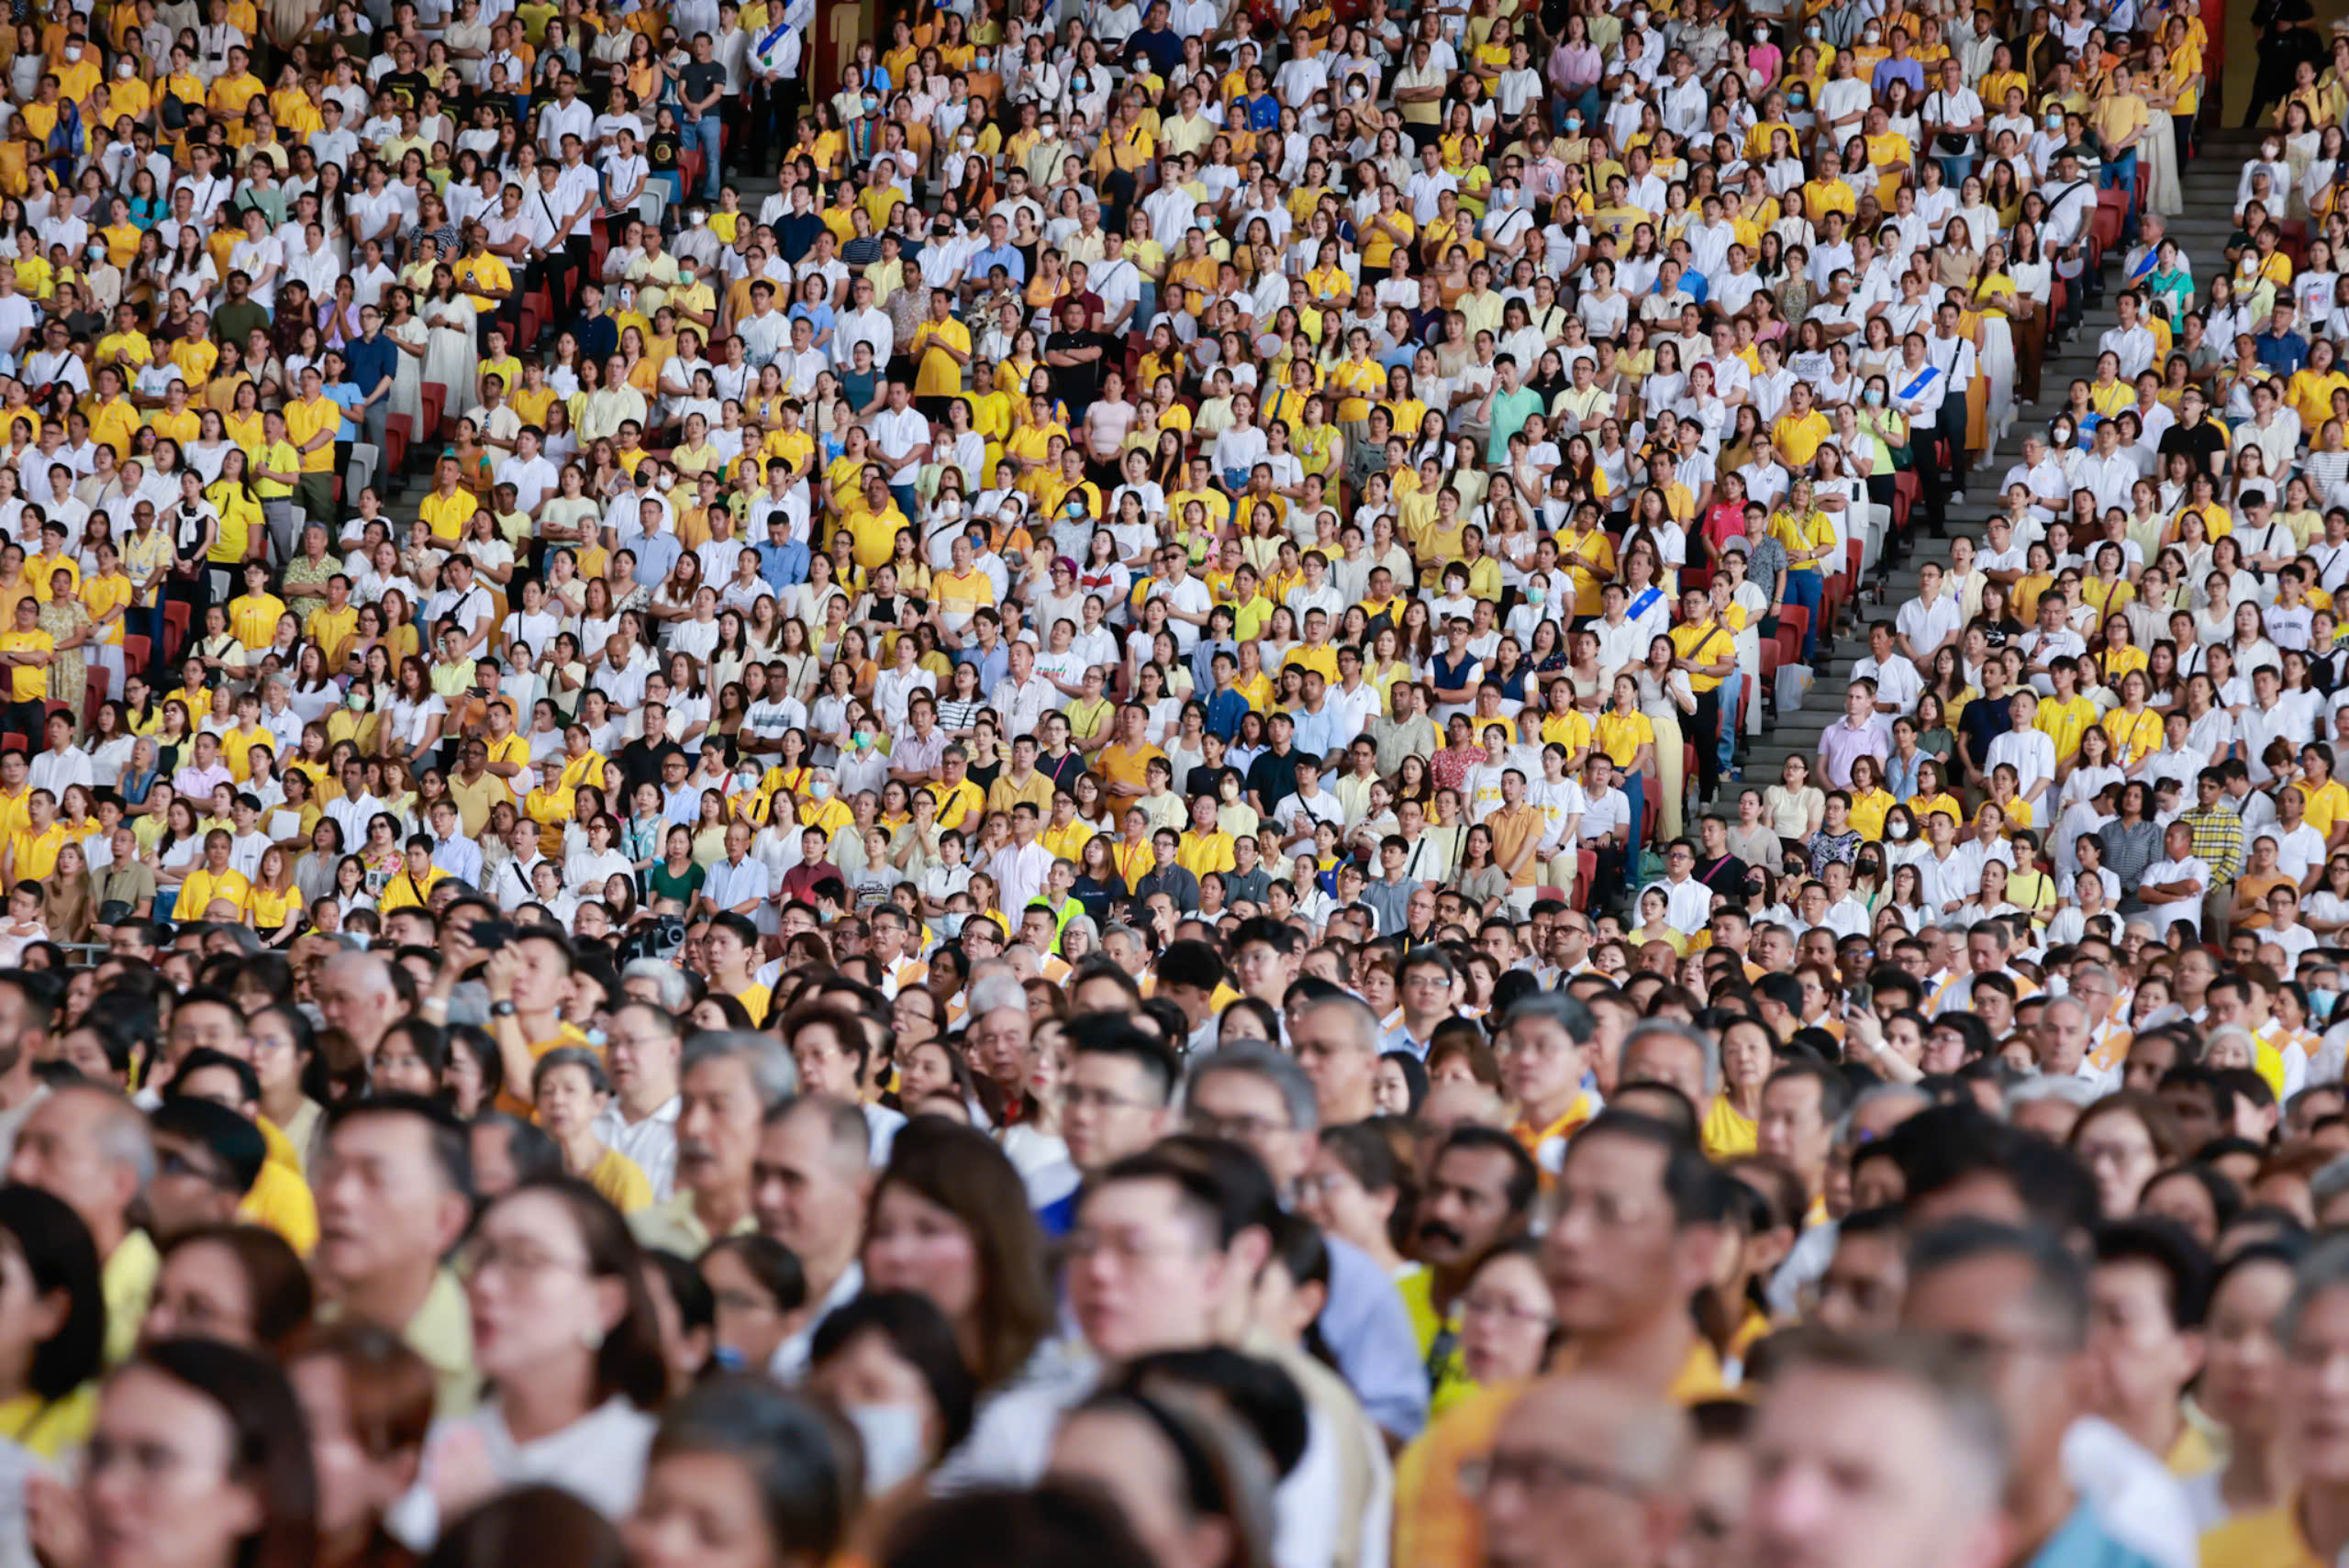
592, 1338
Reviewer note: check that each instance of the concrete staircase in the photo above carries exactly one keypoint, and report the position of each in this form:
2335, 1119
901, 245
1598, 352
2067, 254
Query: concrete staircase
2201, 231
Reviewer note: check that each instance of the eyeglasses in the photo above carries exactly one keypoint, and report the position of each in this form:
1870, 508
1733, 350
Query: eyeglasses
1506, 1311
1238, 1128
1543, 1474
516, 1260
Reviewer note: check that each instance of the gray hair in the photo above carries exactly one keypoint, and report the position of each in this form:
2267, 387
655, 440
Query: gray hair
2078, 1093
1085, 922
2325, 1267
2331, 1182
677, 992
1876, 1095
1277, 1068
762, 1055
1561, 1009
994, 987
121, 1135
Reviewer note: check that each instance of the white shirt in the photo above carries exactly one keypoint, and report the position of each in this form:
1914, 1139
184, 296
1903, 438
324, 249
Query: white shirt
2189, 910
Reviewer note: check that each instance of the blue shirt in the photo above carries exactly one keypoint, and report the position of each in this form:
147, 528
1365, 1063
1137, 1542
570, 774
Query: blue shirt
1317, 733
344, 396
992, 667
1890, 71
783, 565
371, 361
1368, 1331
656, 554
2083, 1542
2282, 353
1225, 710
1006, 256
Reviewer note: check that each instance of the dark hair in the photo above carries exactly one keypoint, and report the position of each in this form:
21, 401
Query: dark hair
1113, 1034
387, 1387
275, 1279
1686, 1177
1057, 1525
544, 1523
60, 1255
774, 1266
918, 1334
630, 1361
450, 1150
2059, 1283
959, 1168
790, 1448
2184, 1265
1524, 1175
1262, 1396
271, 1442
237, 1143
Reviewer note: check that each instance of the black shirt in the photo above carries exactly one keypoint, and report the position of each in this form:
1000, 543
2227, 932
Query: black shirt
700, 78
1209, 781
641, 764
1272, 777
1062, 770
1080, 384
795, 234
2201, 443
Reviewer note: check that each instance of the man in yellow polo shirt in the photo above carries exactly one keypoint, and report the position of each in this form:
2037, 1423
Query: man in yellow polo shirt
32, 848
311, 422
942, 346
413, 884
959, 802
449, 507
1708, 651
1801, 429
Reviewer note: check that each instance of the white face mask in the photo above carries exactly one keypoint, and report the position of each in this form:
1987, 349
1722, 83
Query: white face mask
892, 1436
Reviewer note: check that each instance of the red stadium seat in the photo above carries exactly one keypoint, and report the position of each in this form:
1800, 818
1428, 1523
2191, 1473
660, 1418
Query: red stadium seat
93, 696
174, 627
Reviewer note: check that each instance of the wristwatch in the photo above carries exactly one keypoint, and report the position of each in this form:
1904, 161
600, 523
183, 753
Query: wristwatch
501, 1009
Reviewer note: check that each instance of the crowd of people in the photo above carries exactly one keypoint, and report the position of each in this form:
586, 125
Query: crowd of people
968, 787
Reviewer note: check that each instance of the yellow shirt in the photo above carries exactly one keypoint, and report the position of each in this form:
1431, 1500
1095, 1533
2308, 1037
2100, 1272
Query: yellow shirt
448, 514
2270, 1539
1728, 1131
281, 1201
306, 419
940, 375
128, 1279
403, 893
201, 889
253, 617
621, 1181
2064, 723
27, 683
2326, 805
1620, 735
